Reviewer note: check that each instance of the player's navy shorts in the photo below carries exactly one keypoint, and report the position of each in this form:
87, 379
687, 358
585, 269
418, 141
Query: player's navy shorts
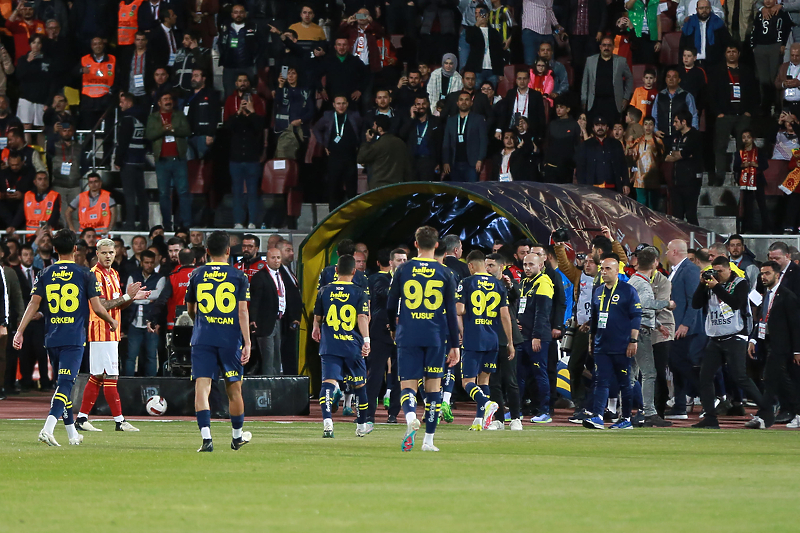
333, 367
415, 362
69, 360
473, 363
207, 360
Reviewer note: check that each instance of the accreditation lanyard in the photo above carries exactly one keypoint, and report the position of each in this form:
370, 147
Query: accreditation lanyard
462, 128
736, 91
523, 109
762, 325
602, 317
339, 131
421, 135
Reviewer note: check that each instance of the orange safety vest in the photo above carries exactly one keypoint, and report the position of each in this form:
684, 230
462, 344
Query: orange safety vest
98, 81
128, 22
37, 212
97, 216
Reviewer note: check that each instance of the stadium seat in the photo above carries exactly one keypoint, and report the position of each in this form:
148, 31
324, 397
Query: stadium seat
279, 180
667, 23
504, 85
486, 171
294, 202
201, 176
670, 48
775, 174
638, 73
314, 149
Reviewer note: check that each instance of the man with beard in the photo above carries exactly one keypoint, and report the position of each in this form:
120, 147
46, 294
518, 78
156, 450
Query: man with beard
465, 142
251, 262
409, 88
188, 59
201, 107
602, 164
422, 135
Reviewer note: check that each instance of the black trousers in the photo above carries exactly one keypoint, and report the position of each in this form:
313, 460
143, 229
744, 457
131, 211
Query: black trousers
425, 169
380, 354
552, 372
577, 364
749, 200
561, 173
684, 202
684, 369
342, 180
581, 46
288, 348
778, 381
137, 207
661, 357
732, 352
505, 378
643, 50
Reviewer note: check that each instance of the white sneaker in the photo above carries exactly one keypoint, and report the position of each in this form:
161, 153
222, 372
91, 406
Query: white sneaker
85, 426
794, 424
429, 448
76, 440
496, 425
125, 426
251, 226
363, 430
238, 226
516, 425
48, 438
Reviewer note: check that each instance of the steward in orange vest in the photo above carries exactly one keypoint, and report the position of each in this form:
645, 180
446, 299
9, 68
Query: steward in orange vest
128, 24
96, 208
98, 71
42, 206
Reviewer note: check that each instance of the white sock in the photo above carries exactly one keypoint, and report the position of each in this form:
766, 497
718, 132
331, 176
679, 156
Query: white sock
83, 415
612, 405
361, 427
348, 399
428, 439
205, 433
337, 385
237, 433
410, 417
446, 397
50, 424
388, 394
328, 422
71, 431
119, 418
477, 422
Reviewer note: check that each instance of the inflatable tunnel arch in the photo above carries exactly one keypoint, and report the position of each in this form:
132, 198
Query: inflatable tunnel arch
479, 213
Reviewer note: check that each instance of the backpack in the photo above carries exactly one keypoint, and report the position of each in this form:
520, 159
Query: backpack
288, 143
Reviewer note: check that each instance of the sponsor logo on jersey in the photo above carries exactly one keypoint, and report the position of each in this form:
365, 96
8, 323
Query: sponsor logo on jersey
63, 275
424, 271
215, 275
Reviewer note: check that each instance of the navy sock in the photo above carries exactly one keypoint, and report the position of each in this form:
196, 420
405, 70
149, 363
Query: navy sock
485, 391
408, 399
326, 399
237, 421
68, 419
476, 394
433, 406
204, 423
363, 404
58, 406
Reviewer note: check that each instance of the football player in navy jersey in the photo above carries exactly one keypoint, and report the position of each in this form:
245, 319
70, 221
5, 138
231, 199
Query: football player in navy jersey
422, 308
481, 301
69, 290
450, 372
216, 299
341, 326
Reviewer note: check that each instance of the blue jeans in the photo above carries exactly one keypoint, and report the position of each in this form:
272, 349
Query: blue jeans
530, 44
149, 362
606, 367
173, 172
463, 172
197, 147
246, 173
484, 76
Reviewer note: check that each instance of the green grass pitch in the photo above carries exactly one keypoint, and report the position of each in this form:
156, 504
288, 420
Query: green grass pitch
290, 479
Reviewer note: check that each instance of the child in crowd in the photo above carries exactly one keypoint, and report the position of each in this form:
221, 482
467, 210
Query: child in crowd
648, 154
542, 79
643, 97
749, 165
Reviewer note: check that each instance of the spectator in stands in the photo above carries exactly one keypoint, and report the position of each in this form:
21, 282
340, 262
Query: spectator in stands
687, 8
384, 155
648, 156
294, 105
291, 54
30, 156
40, 206
149, 13
521, 101
55, 117
23, 26
705, 32
445, 79
59, 48
465, 143
768, 39
686, 153
607, 83
644, 16
362, 34
190, 57
7, 119
201, 107
164, 38
538, 25
485, 45
241, 96
267, 307
201, 24
136, 68
514, 159
383, 106
501, 18
563, 141
645, 95
423, 137
44, 249
306, 29
344, 73
694, 79
99, 71
6, 69
143, 331
433, 44
788, 81
786, 141
586, 23
409, 87
95, 207
63, 160
130, 158
17, 179
339, 131
247, 152
542, 80
734, 98
600, 163
488, 90
749, 165
161, 86
669, 103
558, 71
238, 48
168, 130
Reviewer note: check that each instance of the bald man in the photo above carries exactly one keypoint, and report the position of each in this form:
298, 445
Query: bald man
267, 306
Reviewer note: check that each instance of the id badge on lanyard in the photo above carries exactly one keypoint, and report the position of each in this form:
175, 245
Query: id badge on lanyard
66, 167
602, 319
762, 330
138, 80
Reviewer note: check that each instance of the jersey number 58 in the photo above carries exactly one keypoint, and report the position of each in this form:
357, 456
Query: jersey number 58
62, 297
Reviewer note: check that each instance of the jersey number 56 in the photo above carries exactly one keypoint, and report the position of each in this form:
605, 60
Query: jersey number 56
223, 298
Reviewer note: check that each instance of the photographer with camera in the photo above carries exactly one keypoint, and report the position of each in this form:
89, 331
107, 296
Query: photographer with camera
723, 296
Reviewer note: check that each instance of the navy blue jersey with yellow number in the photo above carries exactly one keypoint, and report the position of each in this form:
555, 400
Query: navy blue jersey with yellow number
423, 298
483, 297
65, 289
329, 275
217, 289
339, 305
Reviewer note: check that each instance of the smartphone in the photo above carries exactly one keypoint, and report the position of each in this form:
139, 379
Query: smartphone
361, 16
285, 72
42, 223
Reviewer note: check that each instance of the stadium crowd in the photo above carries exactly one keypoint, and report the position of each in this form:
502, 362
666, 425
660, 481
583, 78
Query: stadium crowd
636, 96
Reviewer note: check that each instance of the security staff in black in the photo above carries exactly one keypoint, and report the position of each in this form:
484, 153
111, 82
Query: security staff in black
130, 158
724, 298
777, 339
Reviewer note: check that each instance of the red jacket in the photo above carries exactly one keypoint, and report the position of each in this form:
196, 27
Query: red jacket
373, 32
234, 101
178, 281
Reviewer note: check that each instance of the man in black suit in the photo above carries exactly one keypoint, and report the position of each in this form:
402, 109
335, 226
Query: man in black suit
480, 103
423, 137
267, 307
164, 39
776, 337
452, 256
150, 13
294, 309
339, 131
521, 101
32, 351
465, 142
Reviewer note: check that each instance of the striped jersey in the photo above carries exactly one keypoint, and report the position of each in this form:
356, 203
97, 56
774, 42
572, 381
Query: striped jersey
99, 329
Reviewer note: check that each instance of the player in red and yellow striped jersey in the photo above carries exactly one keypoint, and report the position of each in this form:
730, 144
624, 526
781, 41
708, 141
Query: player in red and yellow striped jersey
104, 342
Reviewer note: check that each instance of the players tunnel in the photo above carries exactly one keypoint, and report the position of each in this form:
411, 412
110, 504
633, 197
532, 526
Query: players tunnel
479, 213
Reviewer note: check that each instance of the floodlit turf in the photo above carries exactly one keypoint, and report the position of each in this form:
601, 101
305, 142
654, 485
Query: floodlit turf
290, 479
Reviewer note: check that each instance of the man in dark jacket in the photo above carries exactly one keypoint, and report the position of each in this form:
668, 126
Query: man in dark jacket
130, 159
135, 68
465, 142
423, 137
201, 108
344, 74
164, 38
339, 131
481, 38
246, 128
601, 160
687, 156
383, 106
513, 163
480, 103
294, 105
525, 102
190, 57
408, 89
384, 154
267, 306
711, 47
238, 48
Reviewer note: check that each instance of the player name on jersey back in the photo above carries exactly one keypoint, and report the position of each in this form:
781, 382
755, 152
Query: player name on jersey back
339, 305
483, 297
217, 289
